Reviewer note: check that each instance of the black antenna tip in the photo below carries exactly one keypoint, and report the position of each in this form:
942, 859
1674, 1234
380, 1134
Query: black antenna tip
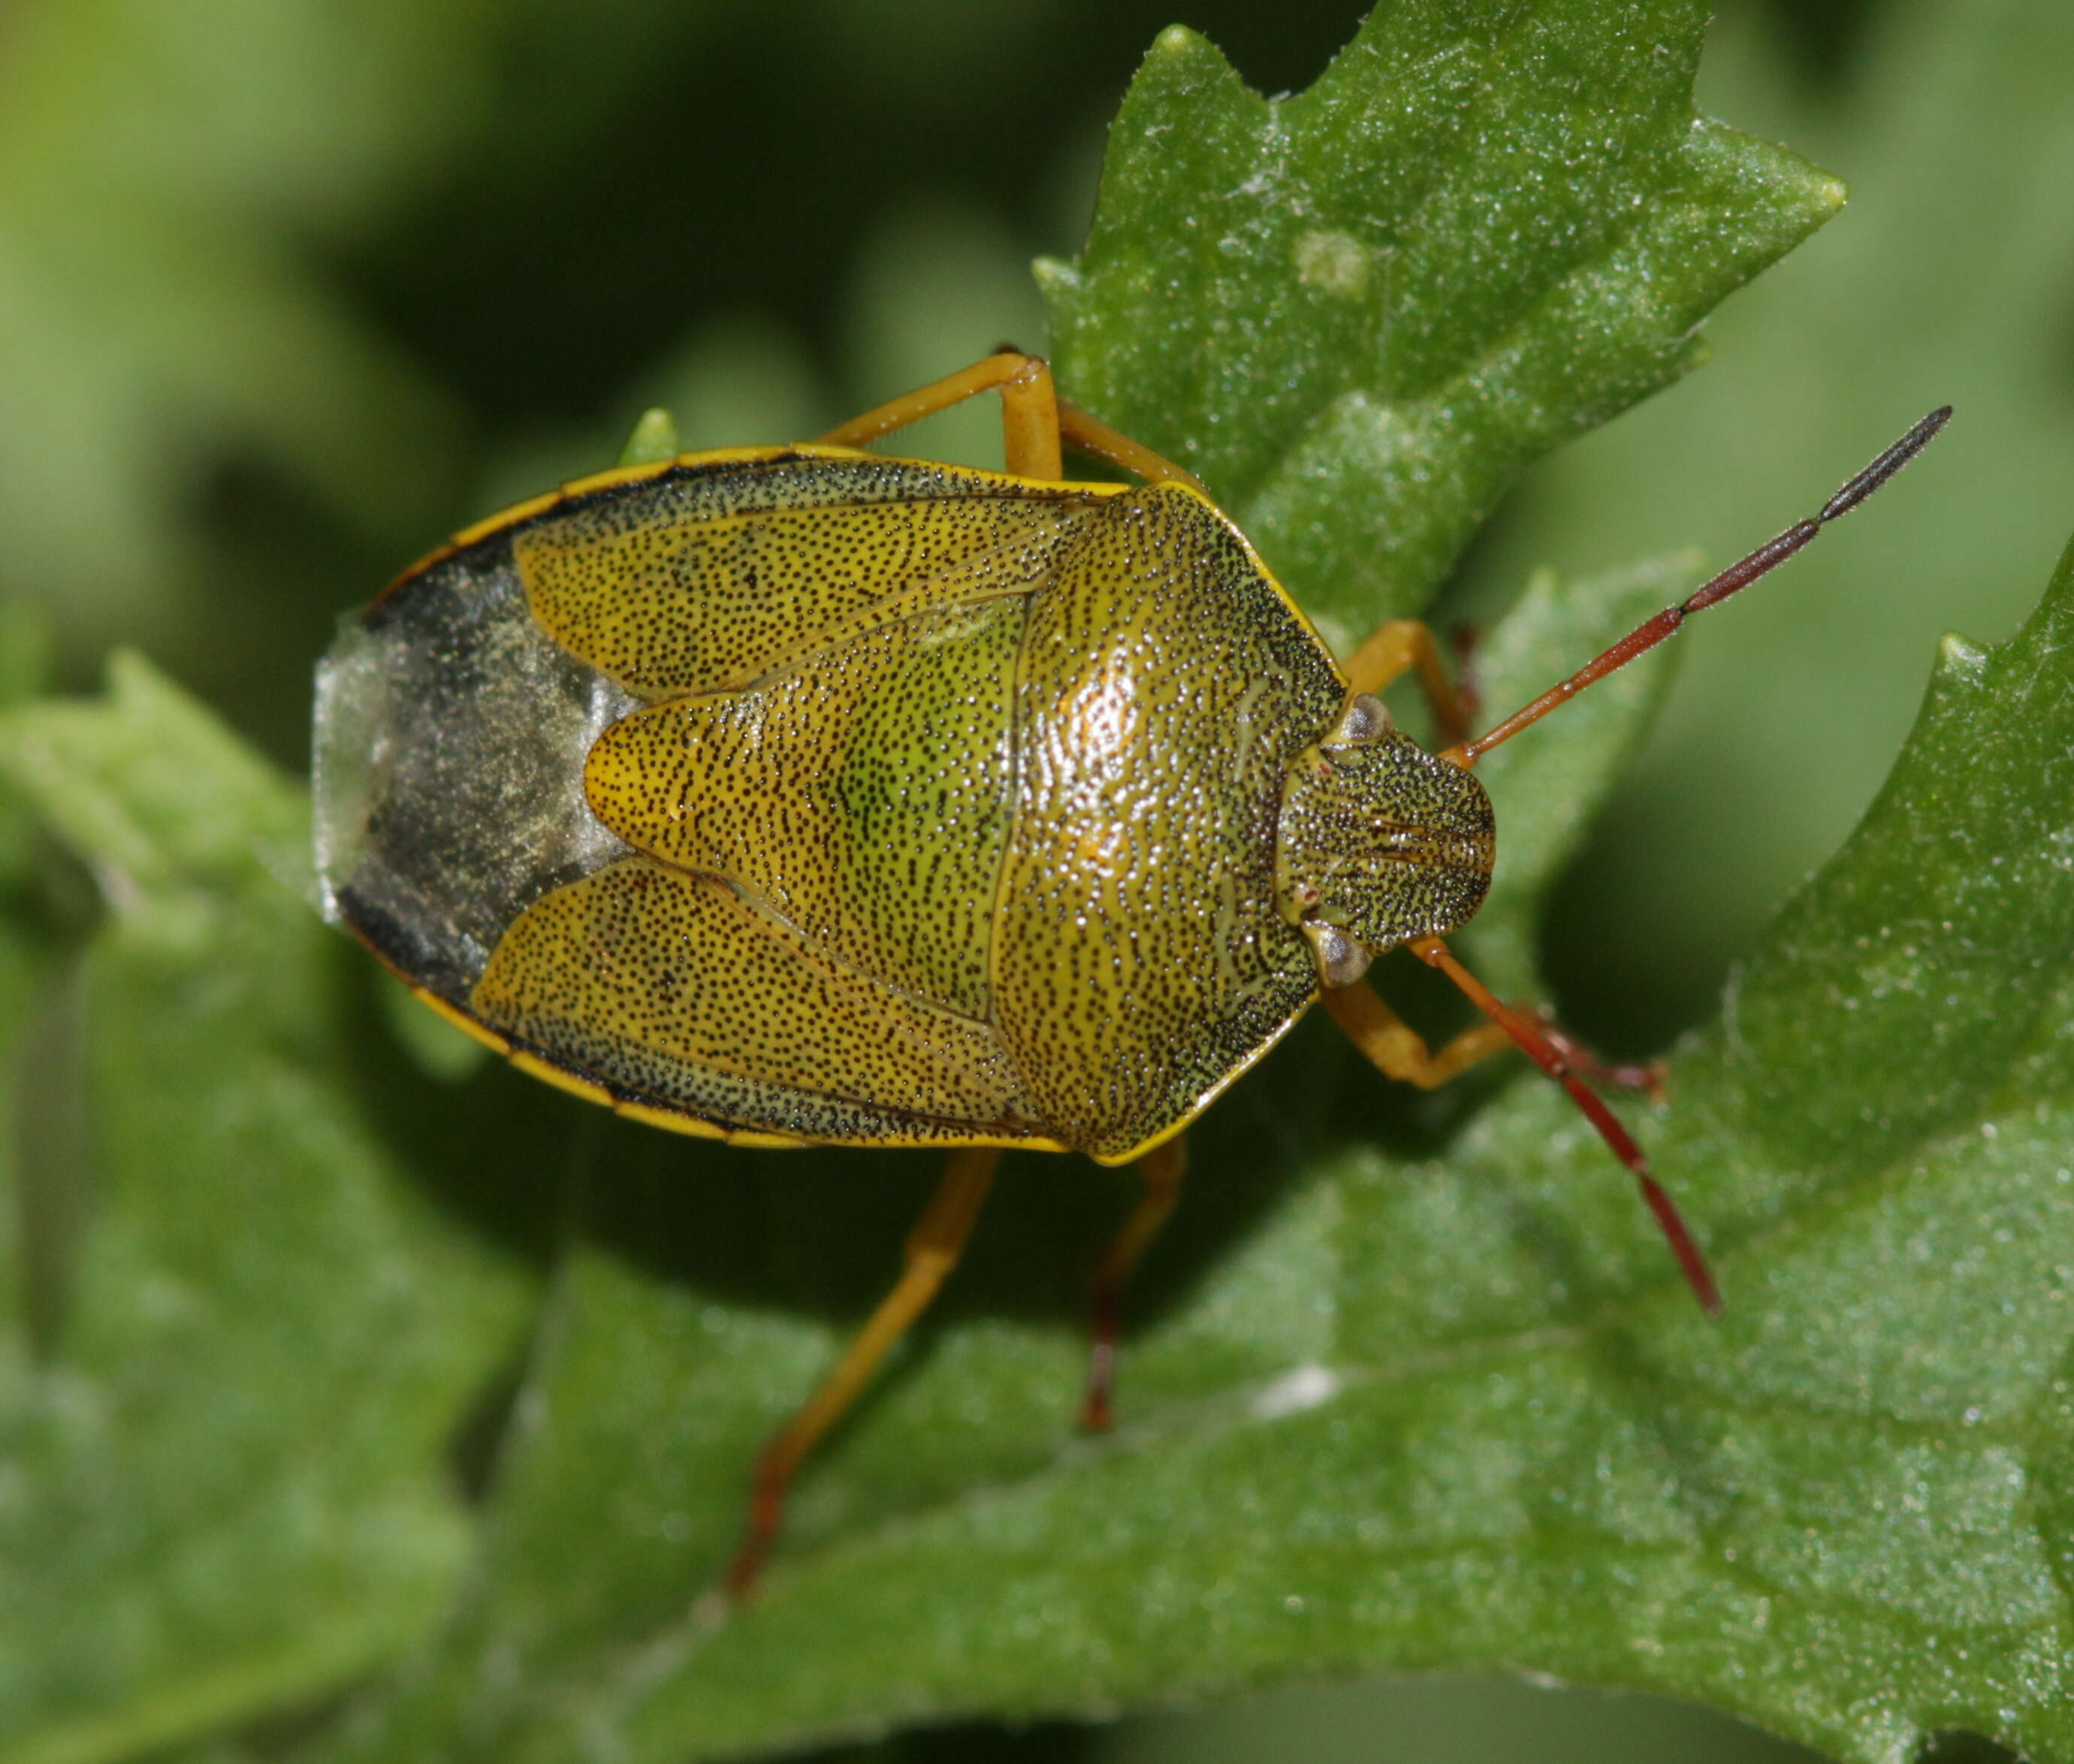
1918, 437
1883, 468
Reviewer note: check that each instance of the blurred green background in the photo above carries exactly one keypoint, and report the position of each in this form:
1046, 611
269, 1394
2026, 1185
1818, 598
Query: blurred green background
288, 290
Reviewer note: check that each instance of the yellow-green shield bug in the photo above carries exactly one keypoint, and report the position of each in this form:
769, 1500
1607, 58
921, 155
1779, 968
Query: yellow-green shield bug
801, 795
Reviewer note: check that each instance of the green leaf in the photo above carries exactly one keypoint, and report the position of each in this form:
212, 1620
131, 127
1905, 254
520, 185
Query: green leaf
1409, 1384
1357, 312
227, 1490
1388, 1413
654, 439
1785, 719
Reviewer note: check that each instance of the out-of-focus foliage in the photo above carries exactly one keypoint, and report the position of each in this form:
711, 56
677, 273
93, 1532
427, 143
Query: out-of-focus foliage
222, 1442
167, 176
1949, 277
287, 290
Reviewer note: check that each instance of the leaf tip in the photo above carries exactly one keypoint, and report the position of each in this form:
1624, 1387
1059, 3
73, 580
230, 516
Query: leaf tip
653, 440
1055, 276
1957, 655
129, 673
1182, 54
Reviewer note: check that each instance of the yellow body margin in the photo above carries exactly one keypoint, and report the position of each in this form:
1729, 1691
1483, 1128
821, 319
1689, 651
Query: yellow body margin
1190, 487
460, 1019
490, 525
1173, 1131
676, 1120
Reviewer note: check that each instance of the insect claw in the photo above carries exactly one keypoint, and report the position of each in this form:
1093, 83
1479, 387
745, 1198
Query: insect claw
1647, 1075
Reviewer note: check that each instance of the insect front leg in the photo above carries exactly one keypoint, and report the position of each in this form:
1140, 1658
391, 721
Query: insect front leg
1552, 1053
1400, 1051
1397, 1050
1402, 644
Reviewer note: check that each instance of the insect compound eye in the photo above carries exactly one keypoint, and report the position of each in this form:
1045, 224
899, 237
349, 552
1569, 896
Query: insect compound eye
1341, 961
1365, 718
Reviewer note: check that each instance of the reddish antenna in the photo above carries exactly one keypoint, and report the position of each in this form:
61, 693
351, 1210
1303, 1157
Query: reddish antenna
1546, 1052
1740, 574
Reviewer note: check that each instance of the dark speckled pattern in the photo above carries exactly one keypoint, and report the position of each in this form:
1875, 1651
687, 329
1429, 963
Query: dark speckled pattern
953, 813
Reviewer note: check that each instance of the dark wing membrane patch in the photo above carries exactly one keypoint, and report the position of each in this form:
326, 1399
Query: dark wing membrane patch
447, 762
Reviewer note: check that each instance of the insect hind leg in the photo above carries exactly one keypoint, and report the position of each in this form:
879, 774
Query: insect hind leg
1160, 1172
933, 1250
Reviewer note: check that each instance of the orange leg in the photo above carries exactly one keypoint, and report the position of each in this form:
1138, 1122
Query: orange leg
1160, 1170
1035, 421
1029, 412
1549, 1054
933, 1248
1092, 435
1405, 643
1397, 1050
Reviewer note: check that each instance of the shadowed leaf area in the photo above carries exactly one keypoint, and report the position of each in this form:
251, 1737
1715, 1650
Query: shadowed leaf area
359, 1368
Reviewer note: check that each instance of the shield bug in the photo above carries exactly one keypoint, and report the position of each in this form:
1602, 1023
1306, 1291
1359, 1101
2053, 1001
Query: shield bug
801, 795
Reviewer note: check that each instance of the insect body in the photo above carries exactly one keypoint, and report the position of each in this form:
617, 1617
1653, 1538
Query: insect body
799, 795
864, 801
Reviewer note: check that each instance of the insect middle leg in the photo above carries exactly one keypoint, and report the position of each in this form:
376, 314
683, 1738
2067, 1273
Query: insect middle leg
933, 1250
1160, 1170
1390, 651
